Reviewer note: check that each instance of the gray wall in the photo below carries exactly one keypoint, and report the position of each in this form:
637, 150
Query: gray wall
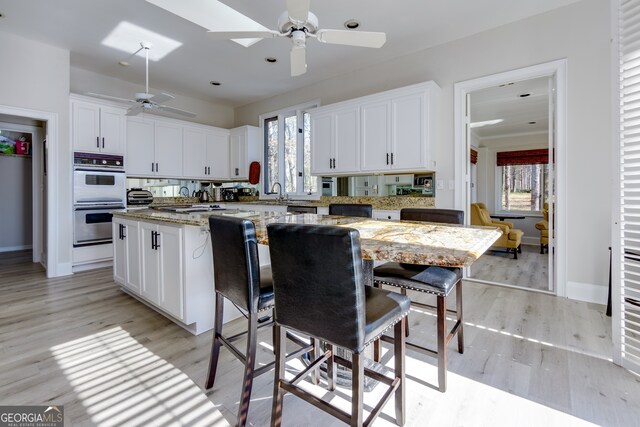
579, 32
16, 206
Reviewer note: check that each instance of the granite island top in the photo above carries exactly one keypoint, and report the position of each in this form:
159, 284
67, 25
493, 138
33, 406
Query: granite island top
400, 241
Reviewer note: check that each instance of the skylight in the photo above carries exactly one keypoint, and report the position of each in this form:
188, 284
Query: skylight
126, 37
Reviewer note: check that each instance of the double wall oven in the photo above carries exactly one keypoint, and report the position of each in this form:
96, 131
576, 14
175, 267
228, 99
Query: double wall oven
99, 187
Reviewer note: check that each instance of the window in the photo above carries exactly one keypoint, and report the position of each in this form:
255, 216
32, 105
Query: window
523, 179
287, 152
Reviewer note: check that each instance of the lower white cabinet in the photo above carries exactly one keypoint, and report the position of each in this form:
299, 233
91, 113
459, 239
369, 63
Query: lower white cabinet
386, 214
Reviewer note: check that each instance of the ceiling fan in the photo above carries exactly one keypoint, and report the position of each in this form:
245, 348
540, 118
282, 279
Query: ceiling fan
296, 23
146, 101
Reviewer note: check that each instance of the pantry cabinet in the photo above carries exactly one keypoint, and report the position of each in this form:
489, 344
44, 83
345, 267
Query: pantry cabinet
97, 128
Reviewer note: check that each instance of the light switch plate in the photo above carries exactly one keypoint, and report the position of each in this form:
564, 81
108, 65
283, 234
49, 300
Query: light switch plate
440, 185
452, 184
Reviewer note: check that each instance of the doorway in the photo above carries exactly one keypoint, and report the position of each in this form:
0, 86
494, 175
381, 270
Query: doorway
512, 124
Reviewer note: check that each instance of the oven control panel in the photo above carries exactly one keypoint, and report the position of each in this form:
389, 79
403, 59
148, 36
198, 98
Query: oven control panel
98, 160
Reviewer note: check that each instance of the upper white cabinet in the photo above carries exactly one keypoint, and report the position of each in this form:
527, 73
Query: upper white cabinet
97, 128
154, 148
335, 146
206, 153
244, 148
388, 131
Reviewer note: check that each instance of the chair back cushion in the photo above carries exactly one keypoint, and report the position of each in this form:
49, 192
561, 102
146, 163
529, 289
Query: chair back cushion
318, 282
444, 216
351, 209
479, 216
236, 268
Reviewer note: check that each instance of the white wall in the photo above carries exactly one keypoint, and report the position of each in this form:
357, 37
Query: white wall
38, 79
208, 113
579, 32
16, 206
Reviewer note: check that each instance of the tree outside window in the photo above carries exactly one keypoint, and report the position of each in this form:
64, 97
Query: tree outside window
524, 179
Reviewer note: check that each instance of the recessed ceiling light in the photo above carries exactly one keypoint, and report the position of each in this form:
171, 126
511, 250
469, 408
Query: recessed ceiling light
486, 123
524, 95
351, 24
532, 123
214, 83
271, 59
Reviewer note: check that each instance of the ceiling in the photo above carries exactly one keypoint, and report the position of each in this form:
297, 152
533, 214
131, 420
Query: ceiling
81, 25
520, 114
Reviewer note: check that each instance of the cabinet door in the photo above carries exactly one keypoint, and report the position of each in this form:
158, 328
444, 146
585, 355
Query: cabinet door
322, 141
408, 143
119, 253
134, 266
194, 154
218, 155
171, 280
238, 155
168, 149
86, 127
376, 134
347, 140
150, 260
112, 138
140, 147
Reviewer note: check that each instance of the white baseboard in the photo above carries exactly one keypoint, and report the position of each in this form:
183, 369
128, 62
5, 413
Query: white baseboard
15, 248
531, 240
587, 292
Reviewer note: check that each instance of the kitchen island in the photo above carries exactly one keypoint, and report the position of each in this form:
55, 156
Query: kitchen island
164, 258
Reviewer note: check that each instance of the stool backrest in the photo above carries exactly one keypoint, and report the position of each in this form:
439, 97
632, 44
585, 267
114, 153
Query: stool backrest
444, 216
318, 282
351, 209
236, 267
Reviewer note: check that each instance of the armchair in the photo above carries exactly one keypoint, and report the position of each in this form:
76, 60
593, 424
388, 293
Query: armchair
511, 237
543, 226
495, 221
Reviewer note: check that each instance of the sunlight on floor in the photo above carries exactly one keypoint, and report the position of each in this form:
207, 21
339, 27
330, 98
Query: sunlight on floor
120, 382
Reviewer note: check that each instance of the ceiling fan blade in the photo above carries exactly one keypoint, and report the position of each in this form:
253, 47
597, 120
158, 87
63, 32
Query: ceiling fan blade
298, 11
161, 97
212, 15
175, 111
298, 59
228, 35
110, 98
352, 38
134, 111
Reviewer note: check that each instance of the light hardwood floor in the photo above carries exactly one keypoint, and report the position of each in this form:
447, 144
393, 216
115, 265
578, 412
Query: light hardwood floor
78, 341
530, 270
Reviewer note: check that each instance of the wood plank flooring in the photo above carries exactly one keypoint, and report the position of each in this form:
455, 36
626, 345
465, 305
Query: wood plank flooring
530, 270
78, 341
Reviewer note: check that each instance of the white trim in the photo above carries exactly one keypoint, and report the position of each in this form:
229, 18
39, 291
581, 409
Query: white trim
587, 292
511, 135
461, 153
15, 248
54, 267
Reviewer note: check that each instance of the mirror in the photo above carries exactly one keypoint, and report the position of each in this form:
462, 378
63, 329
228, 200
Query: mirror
175, 187
409, 184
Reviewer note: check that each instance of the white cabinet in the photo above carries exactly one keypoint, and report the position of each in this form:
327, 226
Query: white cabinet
154, 148
126, 254
367, 185
385, 214
244, 148
205, 153
162, 283
335, 135
376, 134
404, 179
97, 128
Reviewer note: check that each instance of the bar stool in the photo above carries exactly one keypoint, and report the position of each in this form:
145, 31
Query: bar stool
438, 281
320, 292
240, 279
351, 209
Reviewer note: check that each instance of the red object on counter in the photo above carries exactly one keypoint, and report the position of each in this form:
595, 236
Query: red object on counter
254, 172
22, 148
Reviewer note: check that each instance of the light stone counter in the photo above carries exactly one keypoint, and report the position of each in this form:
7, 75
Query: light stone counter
399, 241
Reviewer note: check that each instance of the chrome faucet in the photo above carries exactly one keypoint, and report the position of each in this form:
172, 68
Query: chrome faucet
180, 191
279, 190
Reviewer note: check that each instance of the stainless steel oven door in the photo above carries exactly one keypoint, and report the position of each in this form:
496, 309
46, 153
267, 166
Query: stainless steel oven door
92, 225
98, 186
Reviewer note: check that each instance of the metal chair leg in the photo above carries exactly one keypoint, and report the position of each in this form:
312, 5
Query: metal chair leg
357, 392
460, 318
315, 353
399, 372
247, 381
217, 343
331, 366
278, 392
441, 319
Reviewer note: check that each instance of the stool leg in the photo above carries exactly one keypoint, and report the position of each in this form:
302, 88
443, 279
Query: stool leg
376, 351
541, 248
357, 395
331, 367
247, 381
398, 355
315, 353
217, 343
441, 319
460, 317
278, 393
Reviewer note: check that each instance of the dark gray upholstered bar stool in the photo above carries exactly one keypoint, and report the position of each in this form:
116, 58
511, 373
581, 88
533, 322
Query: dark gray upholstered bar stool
239, 278
438, 281
351, 209
320, 291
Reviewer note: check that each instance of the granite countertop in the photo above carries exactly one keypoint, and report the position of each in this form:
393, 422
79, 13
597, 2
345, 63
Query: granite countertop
400, 241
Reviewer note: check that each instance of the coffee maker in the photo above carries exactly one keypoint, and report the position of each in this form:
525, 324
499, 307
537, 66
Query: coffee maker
230, 194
